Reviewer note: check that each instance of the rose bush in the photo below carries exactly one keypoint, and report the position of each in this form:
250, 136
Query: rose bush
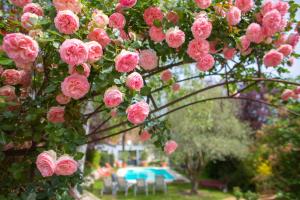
64, 57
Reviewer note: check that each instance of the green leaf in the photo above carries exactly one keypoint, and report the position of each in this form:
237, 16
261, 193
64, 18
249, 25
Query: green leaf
145, 91
6, 61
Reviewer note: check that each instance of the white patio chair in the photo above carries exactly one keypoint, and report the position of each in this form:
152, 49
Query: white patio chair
108, 185
159, 184
123, 185
142, 185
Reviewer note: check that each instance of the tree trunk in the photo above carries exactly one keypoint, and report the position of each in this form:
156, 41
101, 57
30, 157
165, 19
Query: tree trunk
195, 185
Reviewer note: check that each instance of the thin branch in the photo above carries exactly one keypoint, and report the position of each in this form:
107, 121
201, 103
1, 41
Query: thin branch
100, 125
151, 73
97, 110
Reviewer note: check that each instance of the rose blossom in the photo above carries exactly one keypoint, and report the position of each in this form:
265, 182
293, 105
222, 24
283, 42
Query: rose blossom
99, 19
113, 97
73, 5
144, 136
21, 48
175, 87
127, 3
62, 99
254, 33
173, 17
287, 94
99, 35
138, 112
56, 114
126, 61
175, 37
156, 34
153, 14
148, 59
11, 76
203, 4
285, 49
281, 40
297, 90
66, 22
29, 20
166, 75
83, 69
244, 5
244, 43
201, 29
272, 22
220, 10
26, 78
282, 7
117, 20
65, 166
197, 48
267, 6
212, 47
229, 53
45, 163
273, 58
293, 39
8, 92
170, 147
20, 3
73, 52
33, 8
135, 81
95, 51
75, 86
234, 16
206, 62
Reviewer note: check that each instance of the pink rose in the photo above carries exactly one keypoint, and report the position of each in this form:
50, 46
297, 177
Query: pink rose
197, 48
126, 61
212, 47
273, 58
297, 90
201, 29
26, 78
119, 8
145, 136
33, 8
135, 81
11, 77
45, 163
175, 87
113, 97
99, 35
128, 3
166, 75
244, 5
148, 59
173, 17
234, 16
20, 3
29, 20
220, 10
267, 6
203, 4
73, 52
21, 48
95, 51
117, 20
66, 22
75, 86
175, 37
138, 112
206, 62
244, 43
229, 53
8, 92
56, 115
153, 14
287, 94
285, 49
99, 19
65, 166
124, 35
83, 69
272, 22
170, 147
73, 5
293, 39
62, 99
156, 34
282, 7
254, 33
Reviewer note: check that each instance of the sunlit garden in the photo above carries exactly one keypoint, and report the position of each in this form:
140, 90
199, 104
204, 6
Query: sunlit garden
149, 99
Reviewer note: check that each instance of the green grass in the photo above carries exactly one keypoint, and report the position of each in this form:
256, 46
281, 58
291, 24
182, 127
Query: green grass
175, 192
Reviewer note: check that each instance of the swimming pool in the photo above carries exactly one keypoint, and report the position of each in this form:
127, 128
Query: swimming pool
147, 173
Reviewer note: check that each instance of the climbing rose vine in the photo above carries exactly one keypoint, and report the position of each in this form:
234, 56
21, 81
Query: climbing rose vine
63, 62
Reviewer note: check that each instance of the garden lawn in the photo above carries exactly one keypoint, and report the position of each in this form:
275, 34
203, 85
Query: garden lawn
175, 192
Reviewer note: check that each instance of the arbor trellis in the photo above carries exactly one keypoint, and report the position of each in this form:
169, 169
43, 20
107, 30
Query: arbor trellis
26, 131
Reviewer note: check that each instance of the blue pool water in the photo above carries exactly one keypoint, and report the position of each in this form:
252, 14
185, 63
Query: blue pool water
147, 173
